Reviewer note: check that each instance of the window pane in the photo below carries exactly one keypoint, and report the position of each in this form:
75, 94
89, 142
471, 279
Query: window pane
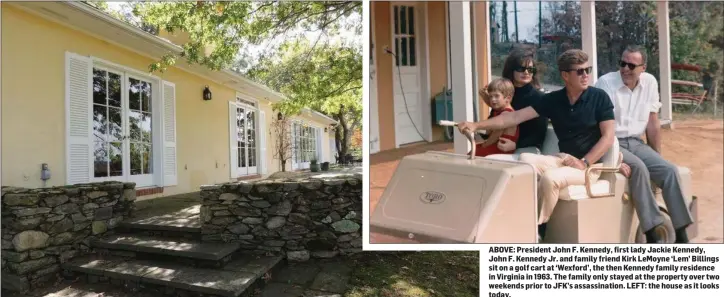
411, 12
242, 153
100, 88
134, 94
100, 166
413, 53
239, 155
250, 119
146, 127
252, 157
146, 97
100, 122
403, 43
136, 158
116, 160
115, 125
397, 52
147, 160
134, 124
114, 90
403, 20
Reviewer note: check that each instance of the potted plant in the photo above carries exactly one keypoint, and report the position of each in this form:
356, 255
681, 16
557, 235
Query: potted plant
325, 166
314, 166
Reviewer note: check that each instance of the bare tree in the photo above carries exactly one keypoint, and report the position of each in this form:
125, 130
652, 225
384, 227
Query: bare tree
283, 145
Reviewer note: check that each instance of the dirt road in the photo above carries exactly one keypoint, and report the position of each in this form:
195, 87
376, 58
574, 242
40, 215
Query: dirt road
699, 145
696, 144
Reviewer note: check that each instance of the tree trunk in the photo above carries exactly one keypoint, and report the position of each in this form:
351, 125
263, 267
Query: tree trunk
342, 138
338, 142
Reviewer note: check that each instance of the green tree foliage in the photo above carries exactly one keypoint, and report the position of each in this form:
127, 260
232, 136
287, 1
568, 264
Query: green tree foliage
696, 33
226, 27
325, 78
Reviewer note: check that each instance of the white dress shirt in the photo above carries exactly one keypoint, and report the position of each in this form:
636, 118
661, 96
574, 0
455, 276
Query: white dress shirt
631, 107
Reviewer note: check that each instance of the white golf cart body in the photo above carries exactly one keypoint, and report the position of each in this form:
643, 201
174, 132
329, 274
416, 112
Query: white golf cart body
439, 197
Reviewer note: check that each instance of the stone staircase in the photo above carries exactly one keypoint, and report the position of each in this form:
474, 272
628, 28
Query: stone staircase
167, 257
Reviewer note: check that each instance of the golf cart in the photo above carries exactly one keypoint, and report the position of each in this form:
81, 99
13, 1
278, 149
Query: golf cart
440, 197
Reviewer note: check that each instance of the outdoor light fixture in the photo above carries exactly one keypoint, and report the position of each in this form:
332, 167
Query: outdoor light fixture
279, 116
207, 93
325, 129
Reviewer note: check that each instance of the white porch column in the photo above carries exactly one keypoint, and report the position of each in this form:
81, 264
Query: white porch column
461, 69
662, 20
588, 34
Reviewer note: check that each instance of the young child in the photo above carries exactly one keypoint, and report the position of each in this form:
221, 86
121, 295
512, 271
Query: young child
498, 95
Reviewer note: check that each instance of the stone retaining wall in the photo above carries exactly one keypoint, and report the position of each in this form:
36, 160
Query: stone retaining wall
299, 218
43, 228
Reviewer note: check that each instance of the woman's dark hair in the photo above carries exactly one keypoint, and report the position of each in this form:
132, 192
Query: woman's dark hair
518, 58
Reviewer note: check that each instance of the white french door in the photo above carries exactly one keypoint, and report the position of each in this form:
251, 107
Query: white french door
244, 139
305, 145
123, 118
407, 74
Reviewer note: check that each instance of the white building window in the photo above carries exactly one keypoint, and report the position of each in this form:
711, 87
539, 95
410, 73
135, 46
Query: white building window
120, 124
245, 143
123, 115
305, 145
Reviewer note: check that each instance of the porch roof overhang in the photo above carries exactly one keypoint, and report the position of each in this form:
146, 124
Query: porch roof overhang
324, 119
96, 23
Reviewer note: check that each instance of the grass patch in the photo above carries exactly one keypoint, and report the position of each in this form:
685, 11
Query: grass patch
416, 274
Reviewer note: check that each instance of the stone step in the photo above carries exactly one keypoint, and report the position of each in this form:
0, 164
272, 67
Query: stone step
171, 223
162, 246
241, 276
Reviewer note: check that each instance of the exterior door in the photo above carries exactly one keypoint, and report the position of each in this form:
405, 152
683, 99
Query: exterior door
406, 73
123, 118
246, 138
305, 145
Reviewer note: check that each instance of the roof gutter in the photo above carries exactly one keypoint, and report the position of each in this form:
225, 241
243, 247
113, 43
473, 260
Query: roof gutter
166, 44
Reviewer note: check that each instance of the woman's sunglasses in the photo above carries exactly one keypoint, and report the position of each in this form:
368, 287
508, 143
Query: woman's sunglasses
521, 69
631, 66
580, 71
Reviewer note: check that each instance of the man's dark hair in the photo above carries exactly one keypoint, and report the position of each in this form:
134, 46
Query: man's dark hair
637, 49
571, 57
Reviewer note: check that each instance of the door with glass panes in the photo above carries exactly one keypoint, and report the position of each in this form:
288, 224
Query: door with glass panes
246, 137
123, 118
304, 145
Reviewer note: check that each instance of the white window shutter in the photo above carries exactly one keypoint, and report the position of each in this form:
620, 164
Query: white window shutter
262, 142
78, 118
170, 163
233, 153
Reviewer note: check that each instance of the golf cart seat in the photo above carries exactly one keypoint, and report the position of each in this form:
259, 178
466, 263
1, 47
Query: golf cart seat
605, 186
593, 213
601, 187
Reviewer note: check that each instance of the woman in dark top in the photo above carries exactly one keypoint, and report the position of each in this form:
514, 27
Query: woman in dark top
520, 68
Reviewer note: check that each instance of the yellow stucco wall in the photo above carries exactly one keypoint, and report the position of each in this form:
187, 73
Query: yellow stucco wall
33, 106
